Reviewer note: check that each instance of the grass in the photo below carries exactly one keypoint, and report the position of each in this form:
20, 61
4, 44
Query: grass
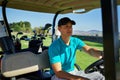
47, 41
83, 59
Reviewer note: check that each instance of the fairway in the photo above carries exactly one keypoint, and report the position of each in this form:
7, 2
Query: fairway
83, 59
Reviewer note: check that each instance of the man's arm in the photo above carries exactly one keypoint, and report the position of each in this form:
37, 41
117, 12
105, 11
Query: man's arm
93, 52
64, 75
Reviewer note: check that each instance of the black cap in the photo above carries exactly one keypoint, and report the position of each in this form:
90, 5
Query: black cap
65, 20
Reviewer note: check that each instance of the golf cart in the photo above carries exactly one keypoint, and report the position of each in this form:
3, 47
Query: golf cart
110, 36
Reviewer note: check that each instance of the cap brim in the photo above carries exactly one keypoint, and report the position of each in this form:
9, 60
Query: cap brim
73, 22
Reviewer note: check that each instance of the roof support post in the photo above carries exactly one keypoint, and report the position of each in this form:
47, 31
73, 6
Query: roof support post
110, 37
4, 3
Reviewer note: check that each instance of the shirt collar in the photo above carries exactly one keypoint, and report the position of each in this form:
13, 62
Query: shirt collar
62, 42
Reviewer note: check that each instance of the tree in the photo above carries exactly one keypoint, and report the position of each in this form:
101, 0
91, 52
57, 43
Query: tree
27, 26
21, 26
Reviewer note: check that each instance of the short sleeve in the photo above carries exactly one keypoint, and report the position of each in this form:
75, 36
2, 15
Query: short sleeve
80, 43
54, 54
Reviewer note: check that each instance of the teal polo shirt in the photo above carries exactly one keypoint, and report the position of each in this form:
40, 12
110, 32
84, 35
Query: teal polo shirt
65, 54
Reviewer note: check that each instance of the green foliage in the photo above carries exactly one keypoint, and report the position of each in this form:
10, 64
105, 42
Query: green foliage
28, 26
21, 26
16, 28
43, 30
38, 30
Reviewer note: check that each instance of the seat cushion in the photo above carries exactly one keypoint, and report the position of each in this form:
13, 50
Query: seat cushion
19, 63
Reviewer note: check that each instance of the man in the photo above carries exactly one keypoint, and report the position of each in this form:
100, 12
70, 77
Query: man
62, 54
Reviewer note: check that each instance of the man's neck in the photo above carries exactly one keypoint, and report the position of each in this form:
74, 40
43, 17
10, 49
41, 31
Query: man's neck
66, 40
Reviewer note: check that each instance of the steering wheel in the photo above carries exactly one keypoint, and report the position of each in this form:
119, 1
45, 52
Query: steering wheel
96, 66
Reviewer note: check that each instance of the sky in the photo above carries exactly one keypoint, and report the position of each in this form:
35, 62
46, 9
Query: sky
91, 20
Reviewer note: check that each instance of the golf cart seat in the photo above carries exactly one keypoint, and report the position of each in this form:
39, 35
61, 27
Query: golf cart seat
19, 63
23, 62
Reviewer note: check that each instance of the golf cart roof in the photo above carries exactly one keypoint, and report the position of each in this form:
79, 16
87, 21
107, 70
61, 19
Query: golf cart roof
52, 6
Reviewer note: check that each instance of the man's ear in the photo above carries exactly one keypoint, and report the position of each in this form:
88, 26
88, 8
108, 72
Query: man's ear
59, 28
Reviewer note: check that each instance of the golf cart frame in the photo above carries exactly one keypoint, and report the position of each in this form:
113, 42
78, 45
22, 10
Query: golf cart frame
110, 37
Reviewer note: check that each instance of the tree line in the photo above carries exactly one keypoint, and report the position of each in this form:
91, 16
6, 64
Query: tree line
25, 26
21, 26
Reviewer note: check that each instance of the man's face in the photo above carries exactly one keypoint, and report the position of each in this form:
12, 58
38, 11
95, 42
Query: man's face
66, 30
